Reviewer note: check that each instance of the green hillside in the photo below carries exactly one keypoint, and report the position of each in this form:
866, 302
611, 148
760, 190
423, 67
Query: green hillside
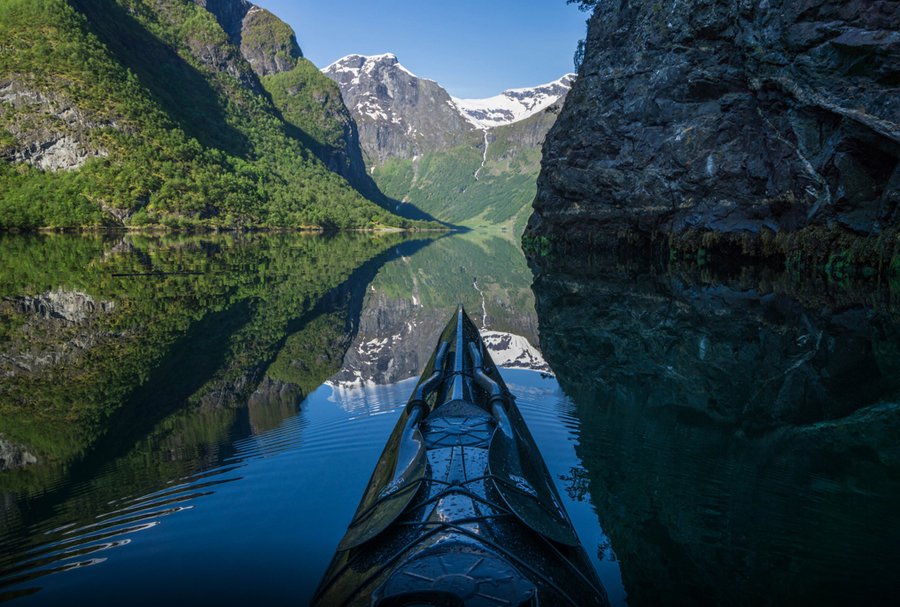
130, 112
443, 183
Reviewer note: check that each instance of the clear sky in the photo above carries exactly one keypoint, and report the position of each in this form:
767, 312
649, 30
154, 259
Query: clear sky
474, 48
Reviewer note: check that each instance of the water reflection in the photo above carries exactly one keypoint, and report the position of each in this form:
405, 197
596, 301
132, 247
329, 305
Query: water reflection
739, 431
175, 392
126, 365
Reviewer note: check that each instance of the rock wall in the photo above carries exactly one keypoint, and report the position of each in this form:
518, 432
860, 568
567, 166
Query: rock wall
727, 116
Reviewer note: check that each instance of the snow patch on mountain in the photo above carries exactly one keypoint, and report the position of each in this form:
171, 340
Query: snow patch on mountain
365, 64
513, 105
513, 351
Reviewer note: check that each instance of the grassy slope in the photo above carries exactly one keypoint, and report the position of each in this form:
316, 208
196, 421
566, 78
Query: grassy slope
185, 142
310, 101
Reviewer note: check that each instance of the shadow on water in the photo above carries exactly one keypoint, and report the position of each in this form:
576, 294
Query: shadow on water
186, 415
739, 428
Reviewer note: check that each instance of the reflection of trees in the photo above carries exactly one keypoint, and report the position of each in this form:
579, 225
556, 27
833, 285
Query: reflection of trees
168, 338
267, 345
729, 431
576, 484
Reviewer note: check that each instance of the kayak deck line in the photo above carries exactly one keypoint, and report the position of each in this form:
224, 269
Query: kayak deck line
460, 509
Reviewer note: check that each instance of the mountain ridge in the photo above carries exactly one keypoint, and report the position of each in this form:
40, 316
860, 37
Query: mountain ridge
506, 107
441, 155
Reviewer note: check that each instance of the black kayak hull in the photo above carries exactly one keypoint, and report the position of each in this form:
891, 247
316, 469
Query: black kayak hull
461, 509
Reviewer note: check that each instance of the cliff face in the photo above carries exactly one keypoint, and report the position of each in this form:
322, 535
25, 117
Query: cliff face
730, 117
399, 115
266, 42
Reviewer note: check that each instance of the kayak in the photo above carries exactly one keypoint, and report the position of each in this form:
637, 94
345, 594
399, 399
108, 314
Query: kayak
461, 509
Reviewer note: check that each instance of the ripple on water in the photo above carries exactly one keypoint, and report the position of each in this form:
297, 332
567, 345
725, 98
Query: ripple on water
62, 547
283, 497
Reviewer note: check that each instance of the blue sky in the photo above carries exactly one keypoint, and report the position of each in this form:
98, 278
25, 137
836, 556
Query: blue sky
473, 48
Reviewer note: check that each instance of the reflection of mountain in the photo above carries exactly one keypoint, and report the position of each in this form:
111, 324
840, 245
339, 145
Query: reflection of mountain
410, 299
96, 335
284, 305
365, 397
513, 351
741, 445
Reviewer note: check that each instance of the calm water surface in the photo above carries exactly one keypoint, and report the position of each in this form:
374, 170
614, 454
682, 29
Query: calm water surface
207, 411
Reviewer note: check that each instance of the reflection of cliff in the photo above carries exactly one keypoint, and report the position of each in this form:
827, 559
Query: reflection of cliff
741, 447
410, 299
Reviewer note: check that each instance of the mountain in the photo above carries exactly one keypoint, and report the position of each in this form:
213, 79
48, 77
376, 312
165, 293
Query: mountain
463, 161
513, 105
769, 129
171, 112
398, 114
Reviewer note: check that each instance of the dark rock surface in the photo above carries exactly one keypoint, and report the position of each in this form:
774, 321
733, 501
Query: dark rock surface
728, 117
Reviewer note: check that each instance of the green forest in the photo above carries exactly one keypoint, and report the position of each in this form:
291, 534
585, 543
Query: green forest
157, 121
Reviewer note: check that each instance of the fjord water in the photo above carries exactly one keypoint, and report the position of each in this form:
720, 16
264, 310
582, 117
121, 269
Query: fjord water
208, 410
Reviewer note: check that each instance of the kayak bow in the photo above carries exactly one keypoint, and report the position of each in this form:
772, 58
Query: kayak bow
461, 509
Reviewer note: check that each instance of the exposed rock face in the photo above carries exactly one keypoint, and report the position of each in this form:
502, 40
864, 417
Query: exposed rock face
58, 137
230, 15
730, 117
266, 42
399, 115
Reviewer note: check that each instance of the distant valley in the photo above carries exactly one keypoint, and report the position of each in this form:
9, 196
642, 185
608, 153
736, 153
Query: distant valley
464, 161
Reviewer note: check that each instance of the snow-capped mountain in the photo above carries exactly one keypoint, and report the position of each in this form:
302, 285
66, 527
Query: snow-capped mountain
514, 105
398, 114
437, 153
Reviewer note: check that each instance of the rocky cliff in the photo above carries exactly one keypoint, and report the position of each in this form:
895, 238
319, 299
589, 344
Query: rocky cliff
729, 118
399, 115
